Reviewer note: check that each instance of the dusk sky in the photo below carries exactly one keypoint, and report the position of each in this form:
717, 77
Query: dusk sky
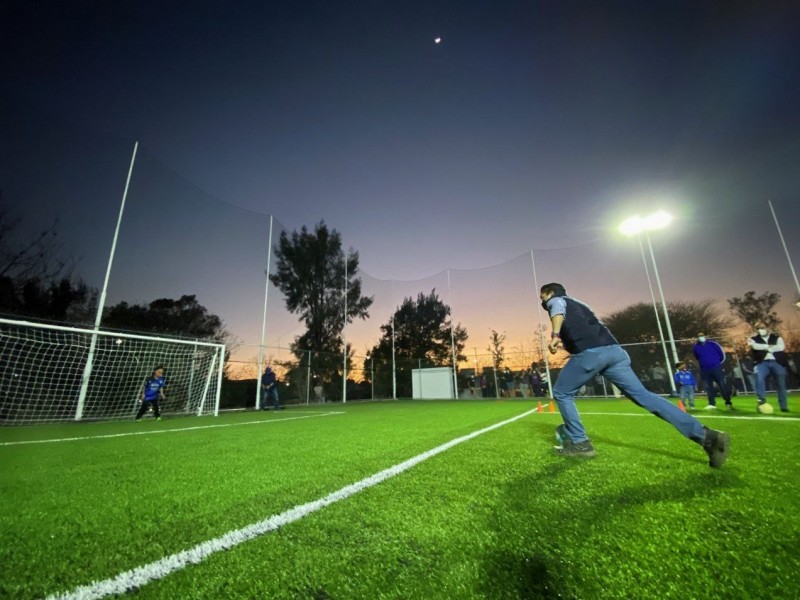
530, 126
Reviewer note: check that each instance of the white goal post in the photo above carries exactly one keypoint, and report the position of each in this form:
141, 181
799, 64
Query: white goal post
43, 368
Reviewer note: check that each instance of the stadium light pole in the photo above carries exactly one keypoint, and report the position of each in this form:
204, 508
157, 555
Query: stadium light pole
642, 226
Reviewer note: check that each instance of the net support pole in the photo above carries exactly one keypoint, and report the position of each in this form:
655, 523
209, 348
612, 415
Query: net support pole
344, 335
541, 331
220, 374
658, 320
785, 249
452, 338
394, 364
308, 377
264, 319
87, 370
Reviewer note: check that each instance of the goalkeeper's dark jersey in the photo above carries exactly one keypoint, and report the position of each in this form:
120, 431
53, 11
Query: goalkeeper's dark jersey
152, 387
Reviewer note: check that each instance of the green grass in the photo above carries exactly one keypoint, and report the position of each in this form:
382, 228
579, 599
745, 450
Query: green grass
498, 516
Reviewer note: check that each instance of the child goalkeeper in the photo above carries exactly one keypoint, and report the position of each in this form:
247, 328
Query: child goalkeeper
153, 392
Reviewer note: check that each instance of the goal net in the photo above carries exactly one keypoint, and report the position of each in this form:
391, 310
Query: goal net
53, 373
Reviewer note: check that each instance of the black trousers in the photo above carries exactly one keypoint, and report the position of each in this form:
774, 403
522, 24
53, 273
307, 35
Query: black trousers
143, 408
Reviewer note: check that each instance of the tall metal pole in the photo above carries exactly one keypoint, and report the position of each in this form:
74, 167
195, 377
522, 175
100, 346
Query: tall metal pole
264, 319
344, 336
394, 366
452, 339
87, 370
785, 249
658, 319
663, 302
541, 330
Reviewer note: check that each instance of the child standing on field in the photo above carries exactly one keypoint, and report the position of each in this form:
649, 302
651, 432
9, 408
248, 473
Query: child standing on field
153, 392
686, 383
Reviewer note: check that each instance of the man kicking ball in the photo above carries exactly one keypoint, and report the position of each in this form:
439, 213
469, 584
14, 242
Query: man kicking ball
595, 351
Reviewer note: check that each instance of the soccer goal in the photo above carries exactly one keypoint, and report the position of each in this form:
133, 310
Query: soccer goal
54, 373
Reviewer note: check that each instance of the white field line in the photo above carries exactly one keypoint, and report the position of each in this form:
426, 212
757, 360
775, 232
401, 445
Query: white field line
135, 578
154, 431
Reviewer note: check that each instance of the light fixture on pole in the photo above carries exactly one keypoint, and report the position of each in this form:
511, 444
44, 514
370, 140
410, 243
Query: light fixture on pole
643, 225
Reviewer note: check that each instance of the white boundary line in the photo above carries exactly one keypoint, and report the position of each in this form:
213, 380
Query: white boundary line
154, 431
159, 569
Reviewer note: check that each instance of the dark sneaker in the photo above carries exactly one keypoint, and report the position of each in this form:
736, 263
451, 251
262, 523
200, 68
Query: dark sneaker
579, 450
716, 444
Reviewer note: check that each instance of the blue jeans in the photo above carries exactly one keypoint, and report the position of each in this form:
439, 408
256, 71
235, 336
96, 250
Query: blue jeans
266, 394
615, 364
709, 376
687, 395
765, 369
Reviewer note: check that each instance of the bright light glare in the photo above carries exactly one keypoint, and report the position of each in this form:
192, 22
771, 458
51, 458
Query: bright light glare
636, 225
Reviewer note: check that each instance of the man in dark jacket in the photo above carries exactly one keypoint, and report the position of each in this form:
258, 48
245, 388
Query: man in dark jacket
710, 356
596, 352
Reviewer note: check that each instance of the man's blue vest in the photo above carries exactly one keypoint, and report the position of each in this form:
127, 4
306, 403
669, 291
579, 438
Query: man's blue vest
582, 329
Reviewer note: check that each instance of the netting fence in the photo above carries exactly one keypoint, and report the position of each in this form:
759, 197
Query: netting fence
176, 239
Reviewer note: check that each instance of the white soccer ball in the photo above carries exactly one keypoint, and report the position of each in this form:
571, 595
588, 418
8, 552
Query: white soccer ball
765, 408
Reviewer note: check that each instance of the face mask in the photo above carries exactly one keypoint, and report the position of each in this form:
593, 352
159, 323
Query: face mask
762, 332
544, 304
701, 339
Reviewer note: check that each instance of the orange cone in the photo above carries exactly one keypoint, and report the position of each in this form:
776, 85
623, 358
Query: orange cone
540, 408
681, 405
552, 406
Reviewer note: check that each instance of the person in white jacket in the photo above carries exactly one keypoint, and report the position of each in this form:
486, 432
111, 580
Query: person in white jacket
769, 355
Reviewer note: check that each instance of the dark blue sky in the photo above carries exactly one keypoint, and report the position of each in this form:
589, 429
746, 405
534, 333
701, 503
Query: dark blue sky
532, 125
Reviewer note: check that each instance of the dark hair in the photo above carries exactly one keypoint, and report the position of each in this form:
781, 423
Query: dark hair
556, 288
157, 368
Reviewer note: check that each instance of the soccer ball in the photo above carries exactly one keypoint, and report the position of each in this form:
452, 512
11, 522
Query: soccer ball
562, 438
765, 409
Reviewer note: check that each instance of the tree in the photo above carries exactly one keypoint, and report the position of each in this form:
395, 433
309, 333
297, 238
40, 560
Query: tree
35, 282
751, 308
422, 334
184, 317
496, 348
636, 324
311, 276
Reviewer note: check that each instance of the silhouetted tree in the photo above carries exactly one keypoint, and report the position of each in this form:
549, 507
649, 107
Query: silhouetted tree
421, 334
184, 317
311, 276
751, 308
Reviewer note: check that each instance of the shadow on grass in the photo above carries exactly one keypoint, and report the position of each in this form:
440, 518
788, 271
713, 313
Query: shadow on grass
544, 534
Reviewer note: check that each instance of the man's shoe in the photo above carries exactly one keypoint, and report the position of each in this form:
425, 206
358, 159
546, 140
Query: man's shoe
158, 418
711, 407
716, 444
579, 450
784, 409
729, 406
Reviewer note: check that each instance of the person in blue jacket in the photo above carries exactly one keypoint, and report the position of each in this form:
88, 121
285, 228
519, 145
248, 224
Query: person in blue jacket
153, 392
686, 383
710, 356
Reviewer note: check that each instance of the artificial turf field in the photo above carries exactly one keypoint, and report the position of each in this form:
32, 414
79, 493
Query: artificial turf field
498, 515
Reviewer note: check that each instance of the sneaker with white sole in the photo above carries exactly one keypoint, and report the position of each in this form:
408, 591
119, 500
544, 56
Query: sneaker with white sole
579, 450
711, 407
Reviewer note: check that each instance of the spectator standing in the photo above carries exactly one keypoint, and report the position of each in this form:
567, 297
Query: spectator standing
710, 356
686, 383
749, 373
269, 390
769, 355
